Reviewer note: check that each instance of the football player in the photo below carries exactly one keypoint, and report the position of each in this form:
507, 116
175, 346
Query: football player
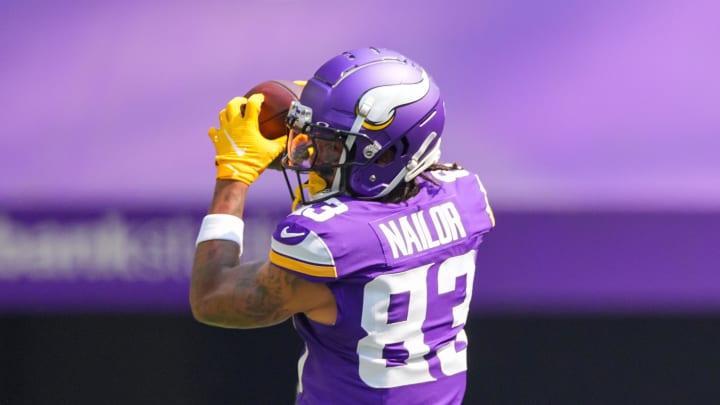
375, 263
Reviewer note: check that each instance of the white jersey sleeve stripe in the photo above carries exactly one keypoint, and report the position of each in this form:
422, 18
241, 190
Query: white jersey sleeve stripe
311, 256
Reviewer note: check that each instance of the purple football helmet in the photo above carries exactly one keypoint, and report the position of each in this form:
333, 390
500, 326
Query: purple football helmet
356, 107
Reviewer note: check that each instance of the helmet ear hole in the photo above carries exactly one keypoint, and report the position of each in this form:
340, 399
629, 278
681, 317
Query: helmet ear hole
387, 157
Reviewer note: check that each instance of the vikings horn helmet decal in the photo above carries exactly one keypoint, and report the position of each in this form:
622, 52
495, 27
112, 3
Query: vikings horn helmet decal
385, 99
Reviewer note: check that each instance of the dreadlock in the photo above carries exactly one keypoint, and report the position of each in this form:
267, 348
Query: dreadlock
407, 190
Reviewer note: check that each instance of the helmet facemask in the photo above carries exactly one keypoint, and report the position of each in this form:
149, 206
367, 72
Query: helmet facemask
318, 154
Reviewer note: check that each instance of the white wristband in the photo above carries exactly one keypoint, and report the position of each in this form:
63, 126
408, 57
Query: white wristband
221, 226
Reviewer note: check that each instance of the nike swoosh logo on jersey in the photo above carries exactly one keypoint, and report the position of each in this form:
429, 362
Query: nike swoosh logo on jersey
238, 151
285, 233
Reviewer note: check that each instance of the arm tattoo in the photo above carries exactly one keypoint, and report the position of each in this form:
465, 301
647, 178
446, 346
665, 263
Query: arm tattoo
227, 294
261, 296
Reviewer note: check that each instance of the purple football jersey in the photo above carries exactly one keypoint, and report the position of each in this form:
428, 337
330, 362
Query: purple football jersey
402, 276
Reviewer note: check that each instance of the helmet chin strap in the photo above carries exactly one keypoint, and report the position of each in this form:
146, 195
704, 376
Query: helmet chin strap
413, 167
357, 124
363, 112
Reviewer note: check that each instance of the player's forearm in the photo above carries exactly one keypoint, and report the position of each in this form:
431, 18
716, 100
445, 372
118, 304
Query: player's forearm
215, 259
228, 198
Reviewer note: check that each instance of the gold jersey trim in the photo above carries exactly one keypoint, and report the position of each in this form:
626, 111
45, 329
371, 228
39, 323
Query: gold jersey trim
315, 270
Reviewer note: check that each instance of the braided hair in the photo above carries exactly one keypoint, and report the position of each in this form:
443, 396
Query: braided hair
407, 190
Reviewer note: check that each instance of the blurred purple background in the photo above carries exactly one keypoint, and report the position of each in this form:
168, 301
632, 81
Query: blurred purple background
561, 106
566, 104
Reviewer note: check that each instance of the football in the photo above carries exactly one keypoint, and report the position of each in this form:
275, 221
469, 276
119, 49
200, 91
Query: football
278, 96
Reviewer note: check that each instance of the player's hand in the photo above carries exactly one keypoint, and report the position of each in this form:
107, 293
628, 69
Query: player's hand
242, 153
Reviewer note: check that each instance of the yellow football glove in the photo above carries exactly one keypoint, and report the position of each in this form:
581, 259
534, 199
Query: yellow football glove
242, 153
